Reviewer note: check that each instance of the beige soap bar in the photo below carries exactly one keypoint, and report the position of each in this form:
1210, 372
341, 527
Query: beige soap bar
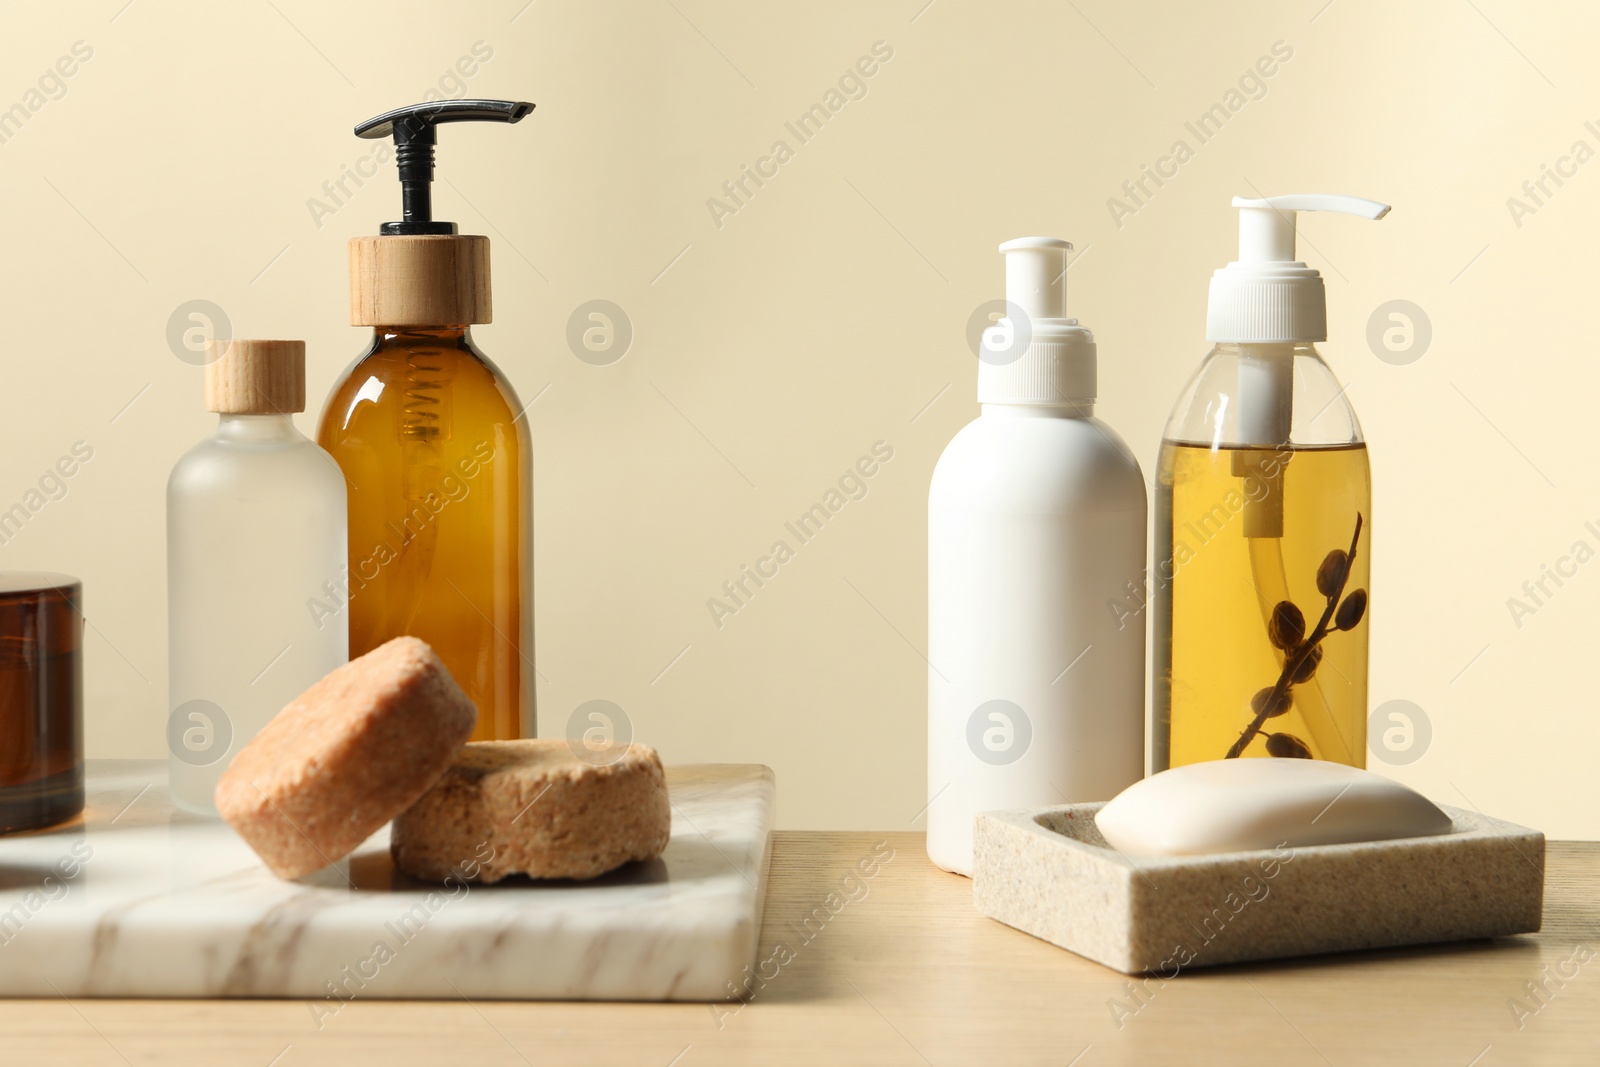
1237, 805
539, 808
345, 757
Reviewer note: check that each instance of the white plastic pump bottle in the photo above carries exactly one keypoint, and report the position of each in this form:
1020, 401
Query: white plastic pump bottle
1036, 525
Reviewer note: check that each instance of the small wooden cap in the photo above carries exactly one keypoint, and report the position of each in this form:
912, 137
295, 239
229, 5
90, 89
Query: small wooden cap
419, 281
256, 377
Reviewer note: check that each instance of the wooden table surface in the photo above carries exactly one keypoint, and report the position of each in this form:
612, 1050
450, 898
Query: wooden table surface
898, 968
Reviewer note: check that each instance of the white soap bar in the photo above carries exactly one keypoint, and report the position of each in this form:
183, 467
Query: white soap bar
1236, 805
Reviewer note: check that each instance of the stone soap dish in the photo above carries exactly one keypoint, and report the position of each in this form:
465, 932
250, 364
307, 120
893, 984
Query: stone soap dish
1051, 874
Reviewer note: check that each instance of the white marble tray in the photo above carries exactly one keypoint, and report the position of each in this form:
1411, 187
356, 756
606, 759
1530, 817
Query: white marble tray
139, 900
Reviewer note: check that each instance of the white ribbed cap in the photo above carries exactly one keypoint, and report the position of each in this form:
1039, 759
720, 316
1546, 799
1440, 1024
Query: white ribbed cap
1035, 354
1267, 296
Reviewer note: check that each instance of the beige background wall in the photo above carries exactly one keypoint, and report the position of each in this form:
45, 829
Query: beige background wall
827, 314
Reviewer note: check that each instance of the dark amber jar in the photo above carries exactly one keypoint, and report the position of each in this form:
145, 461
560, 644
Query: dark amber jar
41, 700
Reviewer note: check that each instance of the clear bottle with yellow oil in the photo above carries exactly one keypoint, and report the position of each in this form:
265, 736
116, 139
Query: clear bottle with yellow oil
1260, 588
435, 453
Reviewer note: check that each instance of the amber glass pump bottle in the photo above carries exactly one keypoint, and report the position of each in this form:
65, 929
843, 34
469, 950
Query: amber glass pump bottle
434, 452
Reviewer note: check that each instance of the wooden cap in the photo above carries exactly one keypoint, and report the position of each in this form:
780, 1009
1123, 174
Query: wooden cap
419, 281
256, 377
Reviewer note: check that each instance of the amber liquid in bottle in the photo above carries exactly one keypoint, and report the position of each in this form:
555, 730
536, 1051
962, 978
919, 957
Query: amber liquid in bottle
437, 467
41, 703
1217, 587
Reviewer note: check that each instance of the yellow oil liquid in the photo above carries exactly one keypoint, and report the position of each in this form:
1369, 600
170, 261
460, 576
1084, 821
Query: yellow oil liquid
436, 467
1237, 532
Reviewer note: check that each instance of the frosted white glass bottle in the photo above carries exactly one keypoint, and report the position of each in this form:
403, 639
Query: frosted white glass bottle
255, 566
1036, 533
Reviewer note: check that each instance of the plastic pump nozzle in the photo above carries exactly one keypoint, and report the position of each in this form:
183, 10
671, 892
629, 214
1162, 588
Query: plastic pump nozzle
1036, 276
1266, 295
1267, 225
413, 130
1036, 356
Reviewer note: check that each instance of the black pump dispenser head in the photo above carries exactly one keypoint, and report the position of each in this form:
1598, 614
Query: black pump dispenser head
413, 131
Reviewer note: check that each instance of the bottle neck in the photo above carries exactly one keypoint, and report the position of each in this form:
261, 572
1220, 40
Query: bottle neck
1081, 410
383, 335
259, 429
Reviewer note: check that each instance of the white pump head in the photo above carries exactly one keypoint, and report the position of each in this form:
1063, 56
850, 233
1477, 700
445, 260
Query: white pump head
1267, 295
1036, 276
1035, 355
